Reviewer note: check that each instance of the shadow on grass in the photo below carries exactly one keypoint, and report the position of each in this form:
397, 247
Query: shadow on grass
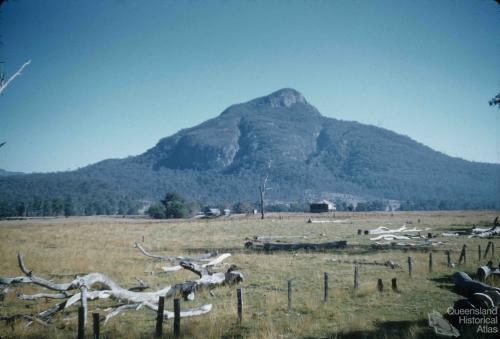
444, 282
418, 329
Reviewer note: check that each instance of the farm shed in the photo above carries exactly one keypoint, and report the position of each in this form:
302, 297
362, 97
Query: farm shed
322, 206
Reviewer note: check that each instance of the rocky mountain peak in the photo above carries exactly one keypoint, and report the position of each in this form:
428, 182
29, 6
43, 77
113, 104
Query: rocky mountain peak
285, 97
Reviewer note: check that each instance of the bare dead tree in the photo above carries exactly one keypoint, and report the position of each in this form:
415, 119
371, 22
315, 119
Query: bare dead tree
3, 85
263, 189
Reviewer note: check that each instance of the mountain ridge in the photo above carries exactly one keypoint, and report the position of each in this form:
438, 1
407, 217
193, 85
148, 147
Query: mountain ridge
312, 156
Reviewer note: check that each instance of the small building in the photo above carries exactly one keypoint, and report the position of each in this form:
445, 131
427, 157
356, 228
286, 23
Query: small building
322, 206
212, 212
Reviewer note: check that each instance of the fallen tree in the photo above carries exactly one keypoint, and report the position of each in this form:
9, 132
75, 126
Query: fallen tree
96, 285
466, 286
267, 246
205, 256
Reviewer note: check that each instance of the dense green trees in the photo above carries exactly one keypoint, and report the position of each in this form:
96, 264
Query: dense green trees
66, 206
172, 206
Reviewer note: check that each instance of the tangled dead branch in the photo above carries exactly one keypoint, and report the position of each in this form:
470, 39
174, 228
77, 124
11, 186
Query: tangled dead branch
135, 297
205, 256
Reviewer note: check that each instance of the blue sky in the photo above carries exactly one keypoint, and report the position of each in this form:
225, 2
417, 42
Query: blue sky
108, 79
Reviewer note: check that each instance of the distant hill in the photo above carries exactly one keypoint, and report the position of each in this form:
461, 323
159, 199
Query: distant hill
306, 155
4, 173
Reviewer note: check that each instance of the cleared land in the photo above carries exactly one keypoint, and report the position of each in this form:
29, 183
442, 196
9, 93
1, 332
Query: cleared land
106, 245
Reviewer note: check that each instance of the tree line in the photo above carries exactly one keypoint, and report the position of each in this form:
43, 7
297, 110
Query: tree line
66, 206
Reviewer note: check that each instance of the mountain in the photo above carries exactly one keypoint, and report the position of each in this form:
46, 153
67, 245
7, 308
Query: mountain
305, 155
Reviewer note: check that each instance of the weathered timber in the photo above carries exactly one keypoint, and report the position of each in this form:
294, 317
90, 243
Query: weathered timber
394, 283
205, 256
380, 285
110, 289
296, 246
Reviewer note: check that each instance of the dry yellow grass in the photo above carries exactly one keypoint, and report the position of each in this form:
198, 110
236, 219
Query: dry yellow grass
106, 245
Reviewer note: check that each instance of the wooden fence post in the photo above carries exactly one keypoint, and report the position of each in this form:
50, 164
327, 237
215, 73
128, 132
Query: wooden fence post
95, 319
394, 282
487, 249
240, 305
410, 266
177, 317
159, 316
81, 322
356, 278
430, 262
325, 283
83, 299
289, 295
463, 255
380, 285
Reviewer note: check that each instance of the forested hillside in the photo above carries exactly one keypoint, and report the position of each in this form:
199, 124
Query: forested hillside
307, 156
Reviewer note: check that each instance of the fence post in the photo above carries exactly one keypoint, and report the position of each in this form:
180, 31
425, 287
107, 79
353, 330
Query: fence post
463, 255
81, 322
289, 295
487, 249
177, 317
83, 299
430, 262
356, 278
240, 304
448, 255
95, 318
394, 282
325, 284
380, 285
409, 266
159, 317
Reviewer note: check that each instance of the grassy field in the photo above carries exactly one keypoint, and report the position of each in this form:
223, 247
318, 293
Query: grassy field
106, 245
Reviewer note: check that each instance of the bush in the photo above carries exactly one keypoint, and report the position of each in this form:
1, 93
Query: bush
173, 206
157, 211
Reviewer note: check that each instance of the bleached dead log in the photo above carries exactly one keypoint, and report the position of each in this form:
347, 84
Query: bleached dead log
16, 280
205, 256
310, 221
36, 296
141, 287
121, 309
277, 237
114, 291
296, 246
153, 307
485, 233
390, 237
169, 269
385, 230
